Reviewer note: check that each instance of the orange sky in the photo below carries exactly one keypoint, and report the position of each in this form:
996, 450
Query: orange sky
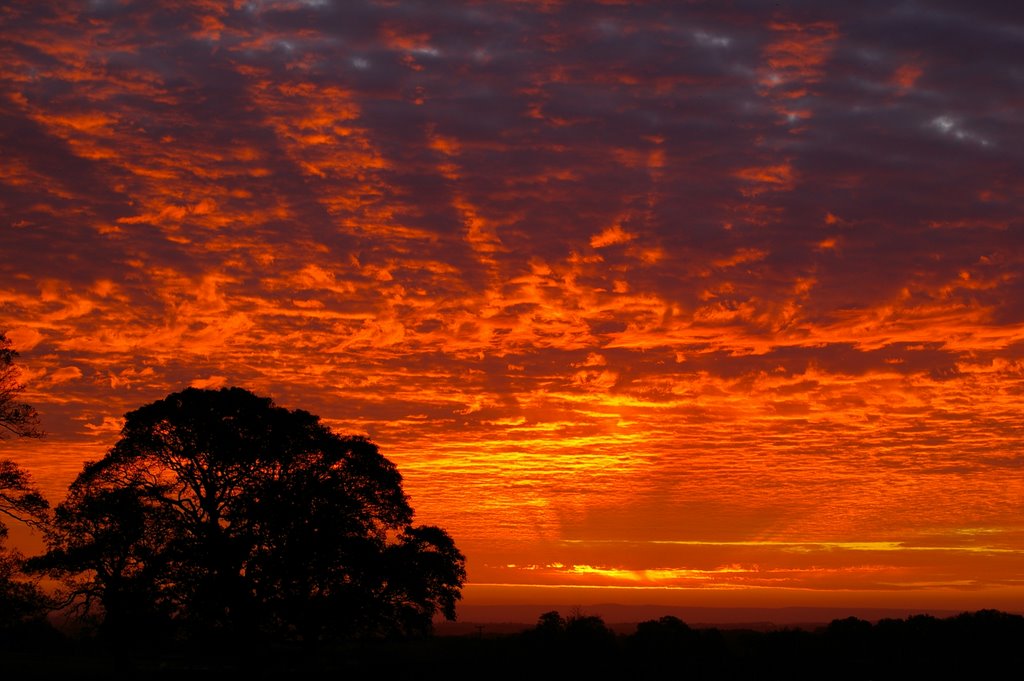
714, 304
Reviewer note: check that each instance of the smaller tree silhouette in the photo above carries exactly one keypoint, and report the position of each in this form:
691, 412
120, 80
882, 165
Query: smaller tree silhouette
666, 634
550, 625
573, 635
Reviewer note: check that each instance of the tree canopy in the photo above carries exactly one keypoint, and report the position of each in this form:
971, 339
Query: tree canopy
218, 511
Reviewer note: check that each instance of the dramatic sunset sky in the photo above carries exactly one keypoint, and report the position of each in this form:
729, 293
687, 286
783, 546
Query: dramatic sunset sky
651, 302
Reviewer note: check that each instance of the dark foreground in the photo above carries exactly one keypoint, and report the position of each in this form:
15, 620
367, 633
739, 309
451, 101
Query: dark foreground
983, 644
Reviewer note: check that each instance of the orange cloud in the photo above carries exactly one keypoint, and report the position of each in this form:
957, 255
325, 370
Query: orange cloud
611, 236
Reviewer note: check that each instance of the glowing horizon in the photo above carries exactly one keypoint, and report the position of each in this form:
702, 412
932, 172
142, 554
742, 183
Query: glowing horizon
693, 298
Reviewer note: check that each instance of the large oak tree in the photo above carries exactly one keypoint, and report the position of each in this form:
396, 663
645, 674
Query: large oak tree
218, 511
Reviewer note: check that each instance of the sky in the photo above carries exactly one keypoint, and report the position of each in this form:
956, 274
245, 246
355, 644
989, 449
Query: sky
655, 302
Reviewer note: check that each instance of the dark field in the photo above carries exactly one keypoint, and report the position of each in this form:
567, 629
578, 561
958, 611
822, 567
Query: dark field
983, 644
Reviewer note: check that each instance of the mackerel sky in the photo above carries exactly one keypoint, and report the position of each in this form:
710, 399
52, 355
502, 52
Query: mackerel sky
709, 302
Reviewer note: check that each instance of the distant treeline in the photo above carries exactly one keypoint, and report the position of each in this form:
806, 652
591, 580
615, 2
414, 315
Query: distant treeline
982, 644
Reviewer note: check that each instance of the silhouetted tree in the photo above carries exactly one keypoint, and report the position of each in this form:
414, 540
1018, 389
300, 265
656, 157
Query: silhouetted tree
20, 599
218, 511
589, 632
664, 646
580, 645
550, 625
665, 633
